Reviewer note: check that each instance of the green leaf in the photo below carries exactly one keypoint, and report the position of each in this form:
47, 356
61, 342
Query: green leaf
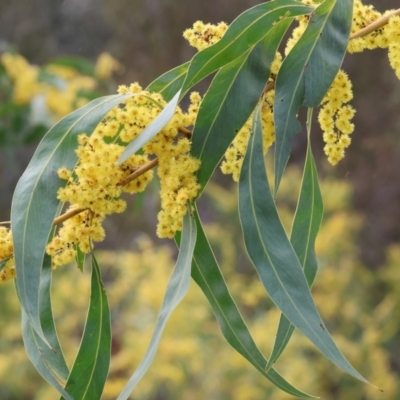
169, 83
50, 363
231, 99
273, 255
80, 64
35, 204
245, 31
3, 263
89, 373
305, 228
207, 274
176, 290
52, 79
151, 130
80, 257
308, 71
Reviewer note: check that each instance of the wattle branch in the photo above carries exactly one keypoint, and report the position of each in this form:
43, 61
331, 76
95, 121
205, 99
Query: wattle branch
379, 23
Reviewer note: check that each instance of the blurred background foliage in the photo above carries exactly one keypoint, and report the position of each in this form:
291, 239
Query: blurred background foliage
358, 286
193, 361
146, 37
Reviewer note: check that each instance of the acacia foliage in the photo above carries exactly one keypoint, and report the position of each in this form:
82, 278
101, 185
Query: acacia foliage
352, 300
286, 266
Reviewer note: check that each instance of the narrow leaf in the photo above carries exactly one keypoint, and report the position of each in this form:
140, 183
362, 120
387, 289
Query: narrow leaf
169, 83
308, 71
89, 373
207, 274
35, 205
306, 225
54, 358
151, 130
273, 256
3, 263
80, 257
245, 31
50, 363
37, 351
176, 290
231, 99
80, 64
52, 79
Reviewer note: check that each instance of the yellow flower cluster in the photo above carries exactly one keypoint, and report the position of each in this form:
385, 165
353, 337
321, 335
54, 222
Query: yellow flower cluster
363, 15
106, 65
203, 35
234, 156
335, 118
393, 33
6, 253
176, 168
24, 75
61, 96
97, 182
65, 98
388, 36
93, 186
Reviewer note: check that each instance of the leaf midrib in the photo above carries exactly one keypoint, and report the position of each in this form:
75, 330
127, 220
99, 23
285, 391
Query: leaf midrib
25, 295
231, 43
100, 332
301, 75
269, 258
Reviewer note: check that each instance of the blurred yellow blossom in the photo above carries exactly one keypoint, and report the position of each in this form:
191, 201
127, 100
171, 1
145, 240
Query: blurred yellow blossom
204, 35
106, 65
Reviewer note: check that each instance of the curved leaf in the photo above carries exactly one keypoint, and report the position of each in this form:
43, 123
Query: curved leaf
80, 64
308, 71
3, 263
176, 291
50, 363
35, 204
151, 130
231, 99
169, 83
305, 227
36, 349
80, 257
206, 273
89, 373
245, 31
273, 256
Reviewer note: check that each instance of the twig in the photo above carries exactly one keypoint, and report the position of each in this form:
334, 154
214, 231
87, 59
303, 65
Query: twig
67, 215
185, 131
5, 223
138, 172
269, 86
375, 25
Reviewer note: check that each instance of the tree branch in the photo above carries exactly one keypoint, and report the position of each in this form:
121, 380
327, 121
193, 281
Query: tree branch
67, 215
375, 25
185, 131
138, 172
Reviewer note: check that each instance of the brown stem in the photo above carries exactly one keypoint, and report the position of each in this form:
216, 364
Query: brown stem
269, 86
375, 25
5, 223
67, 215
138, 172
185, 131
75, 211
